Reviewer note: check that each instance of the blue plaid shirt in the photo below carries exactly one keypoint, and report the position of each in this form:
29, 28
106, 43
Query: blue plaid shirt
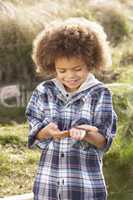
69, 169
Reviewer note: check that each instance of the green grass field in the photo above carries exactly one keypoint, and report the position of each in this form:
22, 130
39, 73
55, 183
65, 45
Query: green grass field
18, 163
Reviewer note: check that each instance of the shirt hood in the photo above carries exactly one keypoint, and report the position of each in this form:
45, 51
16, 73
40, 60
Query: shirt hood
88, 83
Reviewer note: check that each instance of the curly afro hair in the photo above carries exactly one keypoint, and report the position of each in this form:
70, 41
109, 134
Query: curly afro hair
74, 37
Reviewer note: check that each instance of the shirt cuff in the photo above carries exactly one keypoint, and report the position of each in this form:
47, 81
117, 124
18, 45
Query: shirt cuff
32, 141
109, 138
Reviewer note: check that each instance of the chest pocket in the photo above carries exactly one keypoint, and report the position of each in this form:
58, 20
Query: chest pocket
82, 111
50, 111
48, 105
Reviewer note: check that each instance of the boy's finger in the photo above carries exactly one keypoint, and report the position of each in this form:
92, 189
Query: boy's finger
65, 133
87, 127
83, 133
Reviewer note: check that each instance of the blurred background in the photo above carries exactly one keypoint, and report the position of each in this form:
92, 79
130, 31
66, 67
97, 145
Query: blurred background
20, 22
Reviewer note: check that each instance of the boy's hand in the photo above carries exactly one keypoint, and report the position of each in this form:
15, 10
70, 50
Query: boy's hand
77, 134
93, 136
88, 128
80, 132
51, 131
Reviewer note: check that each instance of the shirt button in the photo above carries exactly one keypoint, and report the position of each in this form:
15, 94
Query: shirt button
67, 95
62, 155
63, 182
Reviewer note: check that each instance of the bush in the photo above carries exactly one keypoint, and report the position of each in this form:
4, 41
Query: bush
17, 30
127, 58
114, 21
118, 161
20, 21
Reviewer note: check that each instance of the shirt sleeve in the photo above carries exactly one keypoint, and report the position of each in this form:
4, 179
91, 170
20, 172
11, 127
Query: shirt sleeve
36, 119
105, 118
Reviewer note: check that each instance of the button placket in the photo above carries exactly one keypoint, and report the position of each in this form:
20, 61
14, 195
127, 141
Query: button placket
62, 181
62, 155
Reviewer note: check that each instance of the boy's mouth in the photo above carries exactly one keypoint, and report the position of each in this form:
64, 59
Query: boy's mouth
72, 81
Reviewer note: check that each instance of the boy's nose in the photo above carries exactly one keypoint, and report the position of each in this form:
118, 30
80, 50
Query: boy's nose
70, 74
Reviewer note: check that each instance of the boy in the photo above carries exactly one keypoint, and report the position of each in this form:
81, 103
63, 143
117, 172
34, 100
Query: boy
71, 116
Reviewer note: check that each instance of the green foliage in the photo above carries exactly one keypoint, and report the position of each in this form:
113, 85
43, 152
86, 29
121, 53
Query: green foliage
77, 9
9, 139
118, 161
21, 2
20, 21
114, 21
10, 136
18, 163
12, 115
17, 30
4, 168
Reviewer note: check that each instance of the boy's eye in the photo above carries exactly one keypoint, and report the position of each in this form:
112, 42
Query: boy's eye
61, 71
78, 69
74, 69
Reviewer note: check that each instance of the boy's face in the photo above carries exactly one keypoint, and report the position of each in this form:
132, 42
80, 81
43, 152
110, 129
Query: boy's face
71, 72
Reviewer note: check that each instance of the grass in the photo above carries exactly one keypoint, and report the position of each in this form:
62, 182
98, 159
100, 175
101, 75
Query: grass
119, 161
18, 163
12, 115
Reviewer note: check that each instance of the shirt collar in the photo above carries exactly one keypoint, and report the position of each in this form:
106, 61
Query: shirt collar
88, 83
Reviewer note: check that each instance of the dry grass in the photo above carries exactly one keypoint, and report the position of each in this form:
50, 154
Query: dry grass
20, 21
18, 164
